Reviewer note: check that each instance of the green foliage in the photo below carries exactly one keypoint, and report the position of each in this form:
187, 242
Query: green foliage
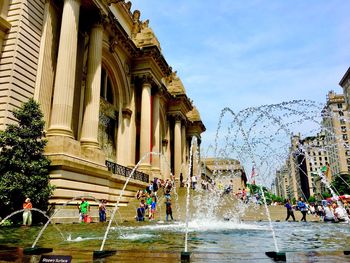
276, 198
311, 199
325, 195
24, 170
341, 184
293, 201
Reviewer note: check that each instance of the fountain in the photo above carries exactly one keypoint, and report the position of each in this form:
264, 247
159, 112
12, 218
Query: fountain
210, 224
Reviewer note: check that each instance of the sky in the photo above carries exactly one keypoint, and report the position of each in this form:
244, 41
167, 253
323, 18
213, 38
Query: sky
239, 54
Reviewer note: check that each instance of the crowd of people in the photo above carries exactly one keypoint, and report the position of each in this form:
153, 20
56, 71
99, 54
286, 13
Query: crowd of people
327, 211
150, 197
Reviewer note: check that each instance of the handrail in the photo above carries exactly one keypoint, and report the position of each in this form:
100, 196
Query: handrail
125, 171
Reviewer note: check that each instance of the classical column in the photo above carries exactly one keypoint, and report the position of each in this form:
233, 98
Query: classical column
164, 160
145, 131
168, 151
132, 132
156, 133
195, 158
62, 105
177, 146
46, 68
4, 24
89, 131
183, 147
124, 144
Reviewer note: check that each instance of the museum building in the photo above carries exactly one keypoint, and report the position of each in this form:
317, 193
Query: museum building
109, 98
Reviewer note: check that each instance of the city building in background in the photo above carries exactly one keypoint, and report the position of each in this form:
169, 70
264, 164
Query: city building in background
223, 171
336, 128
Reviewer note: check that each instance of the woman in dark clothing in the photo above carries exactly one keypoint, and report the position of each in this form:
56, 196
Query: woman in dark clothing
289, 210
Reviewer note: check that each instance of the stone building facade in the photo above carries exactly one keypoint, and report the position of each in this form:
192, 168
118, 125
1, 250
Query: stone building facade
108, 95
223, 172
337, 130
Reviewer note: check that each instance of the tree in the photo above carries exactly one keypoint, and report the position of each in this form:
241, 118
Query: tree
341, 184
24, 169
311, 199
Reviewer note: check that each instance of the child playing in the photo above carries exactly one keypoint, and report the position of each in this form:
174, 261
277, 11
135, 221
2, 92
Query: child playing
141, 211
168, 209
153, 208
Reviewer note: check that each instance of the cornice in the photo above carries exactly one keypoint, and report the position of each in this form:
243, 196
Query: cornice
120, 37
155, 53
345, 78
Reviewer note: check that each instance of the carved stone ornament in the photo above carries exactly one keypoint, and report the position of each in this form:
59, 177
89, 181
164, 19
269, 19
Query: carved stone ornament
127, 113
109, 2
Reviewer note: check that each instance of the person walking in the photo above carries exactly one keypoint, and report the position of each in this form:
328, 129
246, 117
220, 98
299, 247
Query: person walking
289, 210
27, 214
303, 208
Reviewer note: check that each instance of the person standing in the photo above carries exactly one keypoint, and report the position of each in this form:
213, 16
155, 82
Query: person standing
289, 210
168, 210
84, 209
102, 210
194, 182
27, 214
153, 208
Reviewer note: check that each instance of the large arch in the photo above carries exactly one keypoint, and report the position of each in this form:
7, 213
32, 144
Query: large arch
114, 66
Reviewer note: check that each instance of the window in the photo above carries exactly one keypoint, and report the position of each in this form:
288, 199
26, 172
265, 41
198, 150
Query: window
341, 113
342, 121
345, 136
340, 105
106, 87
343, 128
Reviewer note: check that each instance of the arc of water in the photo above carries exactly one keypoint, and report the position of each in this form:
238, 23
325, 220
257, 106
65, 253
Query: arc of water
120, 196
252, 156
33, 209
50, 218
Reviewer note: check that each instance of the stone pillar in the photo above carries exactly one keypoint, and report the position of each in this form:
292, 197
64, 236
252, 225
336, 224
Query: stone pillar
46, 64
195, 156
164, 160
89, 131
145, 131
132, 133
62, 105
124, 143
4, 24
168, 152
156, 134
183, 149
177, 148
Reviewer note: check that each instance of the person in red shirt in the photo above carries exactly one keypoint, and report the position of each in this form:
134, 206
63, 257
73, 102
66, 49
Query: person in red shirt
27, 214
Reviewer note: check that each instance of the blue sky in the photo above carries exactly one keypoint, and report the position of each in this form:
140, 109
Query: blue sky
240, 54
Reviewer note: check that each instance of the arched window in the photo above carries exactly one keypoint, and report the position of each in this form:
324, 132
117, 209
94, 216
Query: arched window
108, 117
106, 87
